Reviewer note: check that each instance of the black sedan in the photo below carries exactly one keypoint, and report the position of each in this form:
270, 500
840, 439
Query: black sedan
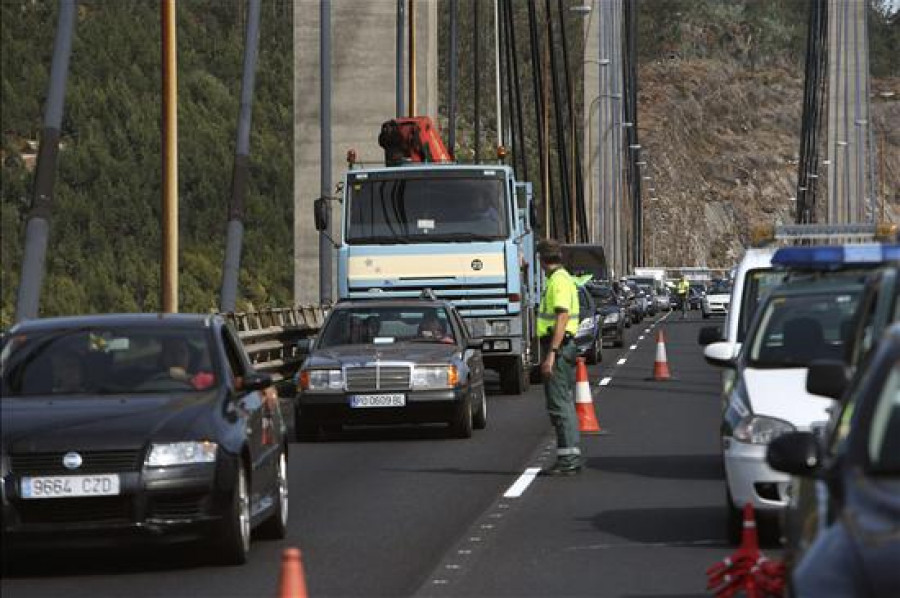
392, 362
856, 545
138, 428
589, 337
614, 315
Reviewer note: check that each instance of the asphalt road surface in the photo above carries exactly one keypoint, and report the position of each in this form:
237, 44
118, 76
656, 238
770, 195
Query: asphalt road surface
409, 512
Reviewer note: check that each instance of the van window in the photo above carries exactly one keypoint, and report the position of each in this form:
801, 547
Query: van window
757, 283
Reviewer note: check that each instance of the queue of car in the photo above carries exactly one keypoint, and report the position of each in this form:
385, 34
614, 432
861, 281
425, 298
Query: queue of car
811, 408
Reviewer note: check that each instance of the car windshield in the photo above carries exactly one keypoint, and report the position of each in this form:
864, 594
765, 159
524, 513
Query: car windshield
385, 325
794, 330
602, 295
720, 288
413, 209
585, 306
106, 361
884, 431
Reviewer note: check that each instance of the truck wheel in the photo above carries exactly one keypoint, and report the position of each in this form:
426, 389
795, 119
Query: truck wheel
479, 421
513, 378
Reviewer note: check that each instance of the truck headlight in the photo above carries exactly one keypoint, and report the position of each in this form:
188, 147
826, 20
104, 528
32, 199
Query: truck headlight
321, 380
181, 453
499, 327
759, 429
431, 377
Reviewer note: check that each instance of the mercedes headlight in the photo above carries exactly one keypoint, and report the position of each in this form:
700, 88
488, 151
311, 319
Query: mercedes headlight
759, 429
430, 378
181, 453
321, 380
611, 318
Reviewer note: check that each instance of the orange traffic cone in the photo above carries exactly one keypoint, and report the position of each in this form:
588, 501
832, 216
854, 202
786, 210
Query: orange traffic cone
293, 582
749, 537
584, 406
661, 365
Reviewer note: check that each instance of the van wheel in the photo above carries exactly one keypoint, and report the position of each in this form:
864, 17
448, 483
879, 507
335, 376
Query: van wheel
735, 523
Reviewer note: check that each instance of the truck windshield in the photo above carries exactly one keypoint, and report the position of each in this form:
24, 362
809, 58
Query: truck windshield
426, 210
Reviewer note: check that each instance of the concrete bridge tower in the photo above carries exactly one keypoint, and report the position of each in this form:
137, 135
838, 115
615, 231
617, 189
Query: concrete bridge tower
363, 49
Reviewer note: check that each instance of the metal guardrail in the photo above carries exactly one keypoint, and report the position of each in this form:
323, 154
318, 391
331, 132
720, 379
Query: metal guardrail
270, 336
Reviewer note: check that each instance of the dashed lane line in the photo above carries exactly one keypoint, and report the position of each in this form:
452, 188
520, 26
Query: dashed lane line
621, 361
632, 348
605, 381
520, 485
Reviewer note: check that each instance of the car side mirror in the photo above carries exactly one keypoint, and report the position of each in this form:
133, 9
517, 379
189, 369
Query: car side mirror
827, 377
321, 214
708, 335
305, 345
474, 343
720, 354
796, 453
255, 381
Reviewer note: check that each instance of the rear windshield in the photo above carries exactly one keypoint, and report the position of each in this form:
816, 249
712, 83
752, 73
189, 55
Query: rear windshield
106, 361
794, 330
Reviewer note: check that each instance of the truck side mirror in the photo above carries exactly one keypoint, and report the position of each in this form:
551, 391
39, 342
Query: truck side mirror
321, 213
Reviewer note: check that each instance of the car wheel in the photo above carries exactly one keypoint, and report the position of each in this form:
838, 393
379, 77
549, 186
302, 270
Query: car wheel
275, 527
233, 542
735, 523
590, 356
479, 422
461, 425
513, 378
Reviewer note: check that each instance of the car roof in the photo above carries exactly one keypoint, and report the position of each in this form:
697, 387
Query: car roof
177, 320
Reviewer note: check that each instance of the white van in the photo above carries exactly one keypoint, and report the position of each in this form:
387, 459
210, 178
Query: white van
752, 279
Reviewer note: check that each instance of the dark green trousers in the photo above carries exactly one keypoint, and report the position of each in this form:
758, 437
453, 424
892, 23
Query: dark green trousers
559, 391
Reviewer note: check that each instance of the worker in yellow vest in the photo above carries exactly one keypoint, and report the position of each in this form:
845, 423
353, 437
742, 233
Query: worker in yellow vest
557, 324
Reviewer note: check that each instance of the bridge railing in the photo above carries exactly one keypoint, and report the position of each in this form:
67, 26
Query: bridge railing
270, 336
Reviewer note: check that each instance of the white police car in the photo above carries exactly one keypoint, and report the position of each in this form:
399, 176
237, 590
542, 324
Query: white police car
801, 320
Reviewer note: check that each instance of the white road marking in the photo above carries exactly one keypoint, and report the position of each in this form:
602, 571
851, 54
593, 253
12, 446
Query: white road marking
641, 337
621, 361
632, 347
519, 487
646, 331
605, 381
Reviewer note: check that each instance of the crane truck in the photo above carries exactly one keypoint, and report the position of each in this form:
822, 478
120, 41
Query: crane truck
464, 231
